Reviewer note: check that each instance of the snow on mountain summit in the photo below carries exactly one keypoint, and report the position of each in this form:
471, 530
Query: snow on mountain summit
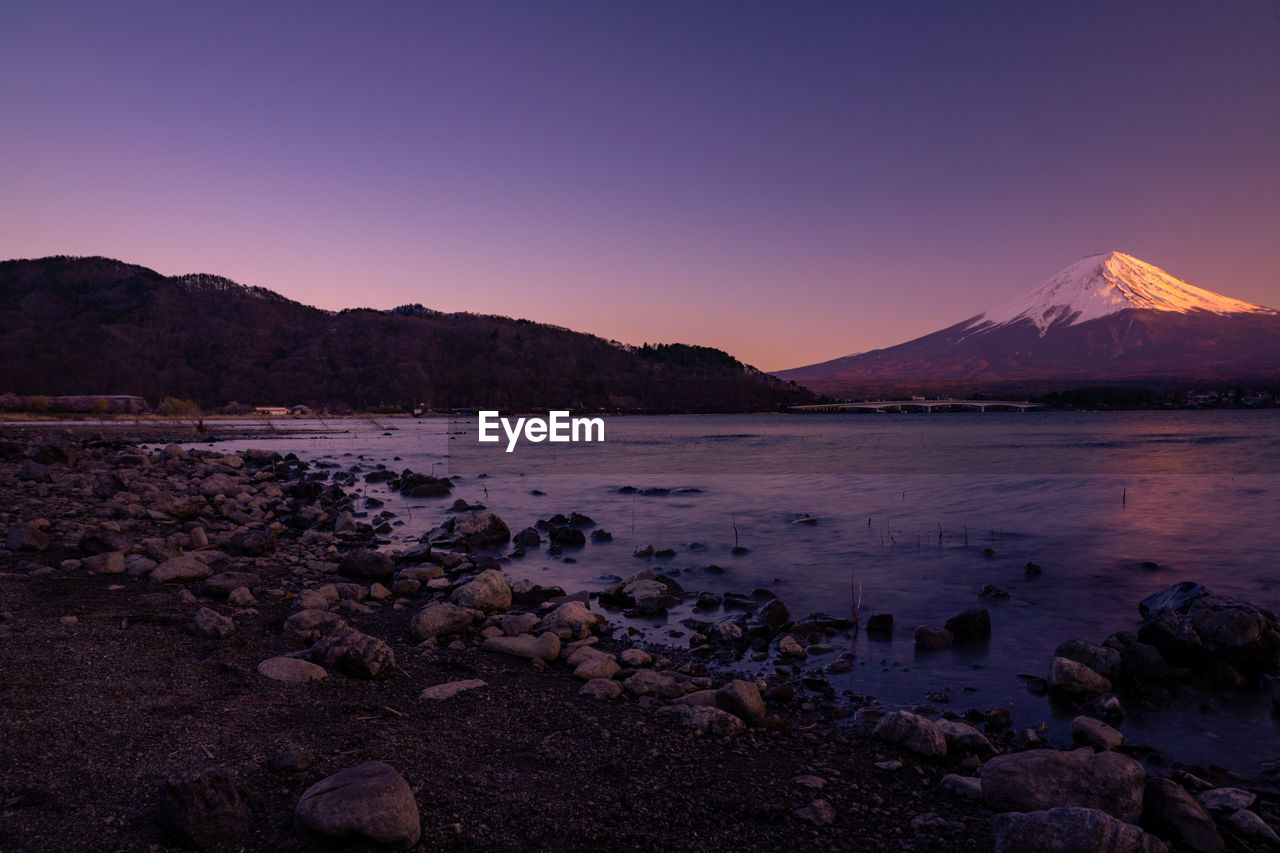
1100, 285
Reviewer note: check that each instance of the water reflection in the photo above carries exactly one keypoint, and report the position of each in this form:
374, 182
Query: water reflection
920, 511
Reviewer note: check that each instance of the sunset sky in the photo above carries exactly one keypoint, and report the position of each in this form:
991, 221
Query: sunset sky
787, 181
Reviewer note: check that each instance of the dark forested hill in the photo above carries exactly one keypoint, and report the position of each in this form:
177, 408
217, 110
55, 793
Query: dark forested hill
100, 326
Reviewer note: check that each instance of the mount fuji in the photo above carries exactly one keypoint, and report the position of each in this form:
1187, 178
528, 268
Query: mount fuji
1105, 318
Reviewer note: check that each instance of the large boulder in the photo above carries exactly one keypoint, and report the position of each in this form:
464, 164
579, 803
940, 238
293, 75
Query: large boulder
1254, 830
367, 563
515, 624
1178, 598
772, 614
312, 624
421, 574
529, 593
1095, 734
417, 553
1101, 659
1237, 632
439, 619
697, 697
703, 719
933, 638
109, 563
742, 699
527, 538
224, 583
1171, 812
603, 689
544, 647
588, 652
962, 738
292, 670
220, 484
251, 542
105, 537
353, 653
488, 591
962, 787
1226, 801
575, 616
157, 548
648, 594
212, 625
370, 802
424, 486
317, 598
1068, 676
181, 508
1046, 779
646, 682
139, 565
912, 732
1172, 634
1070, 830
599, 665
480, 529
180, 570
972, 624
566, 537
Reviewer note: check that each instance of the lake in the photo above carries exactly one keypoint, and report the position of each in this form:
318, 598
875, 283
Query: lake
914, 513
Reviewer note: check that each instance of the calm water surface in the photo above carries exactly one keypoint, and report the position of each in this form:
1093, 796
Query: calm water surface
906, 507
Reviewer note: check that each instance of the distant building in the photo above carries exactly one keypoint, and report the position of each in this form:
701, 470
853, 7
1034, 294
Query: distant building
282, 411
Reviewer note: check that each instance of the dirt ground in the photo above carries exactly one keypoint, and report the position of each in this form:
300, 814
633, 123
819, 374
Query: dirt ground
97, 714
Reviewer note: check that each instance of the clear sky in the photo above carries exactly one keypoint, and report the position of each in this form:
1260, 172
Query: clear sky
787, 181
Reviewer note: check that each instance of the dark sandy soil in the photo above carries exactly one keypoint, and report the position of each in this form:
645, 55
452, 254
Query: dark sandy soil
97, 714
105, 694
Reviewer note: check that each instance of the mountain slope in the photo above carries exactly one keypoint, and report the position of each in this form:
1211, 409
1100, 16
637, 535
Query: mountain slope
1105, 318
98, 326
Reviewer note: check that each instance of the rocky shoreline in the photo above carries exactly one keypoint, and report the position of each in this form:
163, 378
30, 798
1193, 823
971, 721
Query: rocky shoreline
211, 651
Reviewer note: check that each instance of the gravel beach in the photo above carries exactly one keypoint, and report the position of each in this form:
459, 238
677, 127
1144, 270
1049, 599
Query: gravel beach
208, 651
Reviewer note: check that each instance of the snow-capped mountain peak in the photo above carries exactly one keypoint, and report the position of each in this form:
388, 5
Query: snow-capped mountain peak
1100, 285
1105, 319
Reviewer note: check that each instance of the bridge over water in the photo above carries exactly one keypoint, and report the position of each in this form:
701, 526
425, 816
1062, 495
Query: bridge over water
925, 405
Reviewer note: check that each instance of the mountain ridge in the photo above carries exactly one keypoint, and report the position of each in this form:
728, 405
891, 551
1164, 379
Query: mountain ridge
97, 325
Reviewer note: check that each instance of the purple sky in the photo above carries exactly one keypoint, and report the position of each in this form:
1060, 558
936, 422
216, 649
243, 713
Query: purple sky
788, 181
